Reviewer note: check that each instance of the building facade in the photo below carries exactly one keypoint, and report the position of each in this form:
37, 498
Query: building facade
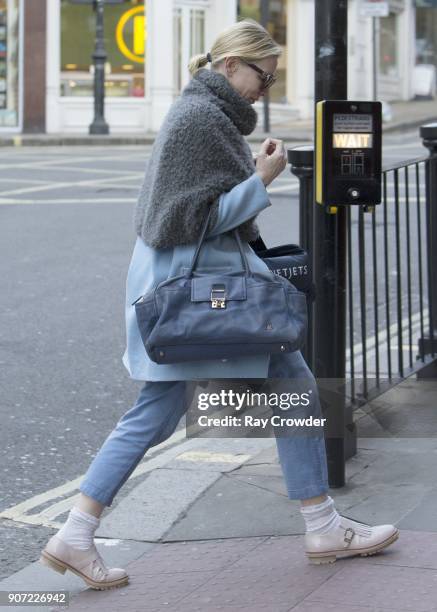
11, 65
393, 39
46, 46
148, 44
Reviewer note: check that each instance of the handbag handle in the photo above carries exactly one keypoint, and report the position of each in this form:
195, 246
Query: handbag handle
200, 243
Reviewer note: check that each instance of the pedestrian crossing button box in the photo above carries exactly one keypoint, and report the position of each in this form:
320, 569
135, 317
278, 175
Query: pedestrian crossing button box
348, 152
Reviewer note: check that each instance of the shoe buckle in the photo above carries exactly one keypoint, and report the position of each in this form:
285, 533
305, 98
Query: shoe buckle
349, 538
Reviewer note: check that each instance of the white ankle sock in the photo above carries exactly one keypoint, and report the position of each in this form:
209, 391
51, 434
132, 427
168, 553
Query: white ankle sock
321, 518
79, 528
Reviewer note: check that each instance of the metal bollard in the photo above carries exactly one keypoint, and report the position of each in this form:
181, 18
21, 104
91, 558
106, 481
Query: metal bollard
428, 134
301, 160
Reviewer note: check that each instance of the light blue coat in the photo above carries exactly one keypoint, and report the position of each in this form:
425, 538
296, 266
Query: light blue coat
149, 267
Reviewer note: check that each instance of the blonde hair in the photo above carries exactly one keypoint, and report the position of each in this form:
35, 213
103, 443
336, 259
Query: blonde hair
246, 39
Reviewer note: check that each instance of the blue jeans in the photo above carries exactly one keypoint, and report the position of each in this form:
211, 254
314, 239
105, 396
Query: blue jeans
156, 414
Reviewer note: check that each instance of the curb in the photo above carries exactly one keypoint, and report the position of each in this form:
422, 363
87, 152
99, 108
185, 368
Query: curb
41, 140
409, 125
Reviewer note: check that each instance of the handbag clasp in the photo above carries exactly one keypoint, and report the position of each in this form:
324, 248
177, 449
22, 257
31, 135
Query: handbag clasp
218, 296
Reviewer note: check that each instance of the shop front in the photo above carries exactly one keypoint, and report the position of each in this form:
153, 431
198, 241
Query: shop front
395, 51
10, 65
426, 32
70, 72
148, 46
394, 46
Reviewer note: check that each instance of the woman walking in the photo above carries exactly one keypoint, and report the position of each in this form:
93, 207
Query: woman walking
200, 160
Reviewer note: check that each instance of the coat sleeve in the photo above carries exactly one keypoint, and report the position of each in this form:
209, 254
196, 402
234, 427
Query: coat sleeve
243, 202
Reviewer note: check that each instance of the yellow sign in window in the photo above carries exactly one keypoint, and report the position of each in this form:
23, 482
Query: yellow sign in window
134, 47
352, 141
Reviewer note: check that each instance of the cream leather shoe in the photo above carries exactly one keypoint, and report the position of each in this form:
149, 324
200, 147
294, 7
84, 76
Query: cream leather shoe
88, 564
348, 540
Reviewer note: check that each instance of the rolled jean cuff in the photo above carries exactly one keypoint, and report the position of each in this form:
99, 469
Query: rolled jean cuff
307, 492
96, 493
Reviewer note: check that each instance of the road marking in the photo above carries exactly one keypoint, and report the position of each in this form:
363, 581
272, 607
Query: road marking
108, 200
95, 183
393, 330
58, 163
383, 352
22, 180
158, 458
22, 511
405, 145
288, 187
53, 185
128, 173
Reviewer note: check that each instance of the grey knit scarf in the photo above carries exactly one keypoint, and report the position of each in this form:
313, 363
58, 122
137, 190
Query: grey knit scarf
198, 154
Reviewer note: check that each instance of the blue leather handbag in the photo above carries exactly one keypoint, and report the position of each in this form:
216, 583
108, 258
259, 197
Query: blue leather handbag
223, 315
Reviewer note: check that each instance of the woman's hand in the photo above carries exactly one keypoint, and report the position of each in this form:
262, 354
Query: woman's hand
271, 160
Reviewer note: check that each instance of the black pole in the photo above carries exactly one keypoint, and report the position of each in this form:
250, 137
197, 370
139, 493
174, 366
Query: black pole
330, 235
302, 165
265, 15
428, 133
99, 125
375, 31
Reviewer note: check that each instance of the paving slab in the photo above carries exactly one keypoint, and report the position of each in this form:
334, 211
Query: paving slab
383, 586
272, 481
248, 573
381, 504
145, 592
399, 468
391, 417
194, 556
199, 607
233, 539
267, 456
413, 549
361, 461
404, 445
325, 606
233, 508
37, 577
424, 514
276, 553
150, 509
258, 585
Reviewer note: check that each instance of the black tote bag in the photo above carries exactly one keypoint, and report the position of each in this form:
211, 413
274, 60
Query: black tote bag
289, 261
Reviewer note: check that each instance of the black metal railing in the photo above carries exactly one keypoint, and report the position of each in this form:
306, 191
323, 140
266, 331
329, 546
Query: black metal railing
391, 273
388, 283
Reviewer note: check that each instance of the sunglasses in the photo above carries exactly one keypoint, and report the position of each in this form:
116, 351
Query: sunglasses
267, 79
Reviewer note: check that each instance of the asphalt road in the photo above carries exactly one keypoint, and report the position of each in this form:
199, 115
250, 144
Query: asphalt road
66, 237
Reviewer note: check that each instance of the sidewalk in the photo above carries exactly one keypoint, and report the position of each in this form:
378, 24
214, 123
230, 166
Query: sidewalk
213, 529
406, 115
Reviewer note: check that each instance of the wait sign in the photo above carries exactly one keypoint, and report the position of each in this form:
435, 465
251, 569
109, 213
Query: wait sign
374, 8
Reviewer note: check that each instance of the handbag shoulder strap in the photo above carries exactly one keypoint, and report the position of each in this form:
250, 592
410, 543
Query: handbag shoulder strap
201, 240
258, 245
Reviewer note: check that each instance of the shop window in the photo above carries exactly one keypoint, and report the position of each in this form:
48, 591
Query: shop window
277, 27
388, 56
177, 56
249, 9
9, 63
197, 32
426, 36
125, 44
188, 40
